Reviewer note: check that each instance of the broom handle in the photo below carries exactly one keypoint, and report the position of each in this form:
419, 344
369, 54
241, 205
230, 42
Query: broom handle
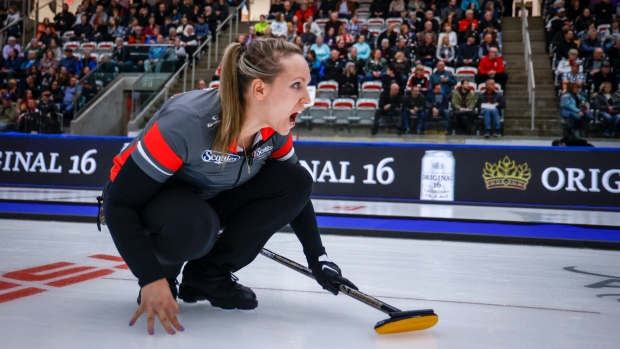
360, 296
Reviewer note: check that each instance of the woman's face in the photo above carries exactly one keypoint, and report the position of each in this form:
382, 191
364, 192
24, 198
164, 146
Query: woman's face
377, 54
331, 31
586, 12
488, 38
54, 85
288, 94
607, 89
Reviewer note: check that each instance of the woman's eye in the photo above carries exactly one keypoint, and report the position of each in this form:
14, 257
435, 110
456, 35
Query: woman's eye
296, 85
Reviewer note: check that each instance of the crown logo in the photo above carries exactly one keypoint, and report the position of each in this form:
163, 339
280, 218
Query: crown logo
506, 174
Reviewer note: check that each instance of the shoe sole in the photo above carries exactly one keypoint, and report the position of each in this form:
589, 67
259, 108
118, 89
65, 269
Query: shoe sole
189, 295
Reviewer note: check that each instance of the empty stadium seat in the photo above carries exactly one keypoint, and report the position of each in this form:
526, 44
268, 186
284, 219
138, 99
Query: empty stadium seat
365, 109
106, 46
322, 108
327, 89
362, 14
88, 46
342, 110
74, 45
396, 21
371, 89
463, 73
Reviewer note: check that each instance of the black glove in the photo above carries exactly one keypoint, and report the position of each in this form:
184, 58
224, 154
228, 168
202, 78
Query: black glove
328, 275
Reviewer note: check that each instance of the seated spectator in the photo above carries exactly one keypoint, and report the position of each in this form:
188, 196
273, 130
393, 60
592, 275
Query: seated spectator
84, 31
152, 39
465, 4
88, 60
375, 66
333, 23
467, 53
29, 120
486, 44
357, 62
62, 77
150, 27
608, 105
314, 28
363, 49
561, 51
334, 67
605, 75
343, 53
402, 48
414, 108
43, 27
251, 35
427, 52
11, 45
603, 12
447, 31
348, 84
555, 24
574, 76
345, 37
397, 9
490, 104
469, 21
428, 30
315, 66
222, 10
368, 35
11, 67
261, 25
429, 16
31, 61
346, 8
71, 63
492, 67
64, 20
137, 37
451, 9
489, 21
390, 108
71, 94
353, 27
410, 38
587, 46
379, 9
49, 76
115, 29
391, 77
330, 37
564, 66
302, 16
584, 21
401, 66
8, 113
322, 51
308, 37
276, 7
49, 113
464, 105
211, 19
202, 29
386, 50
180, 52
278, 26
445, 51
57, 94
189, 41
419, 79
594, 63
12, 22
437, 106
443, 77
612, 34
573, 108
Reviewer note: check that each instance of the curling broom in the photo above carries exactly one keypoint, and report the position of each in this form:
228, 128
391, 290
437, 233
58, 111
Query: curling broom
399, 321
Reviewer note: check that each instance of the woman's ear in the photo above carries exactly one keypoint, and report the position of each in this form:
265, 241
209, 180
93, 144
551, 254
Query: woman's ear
259, 89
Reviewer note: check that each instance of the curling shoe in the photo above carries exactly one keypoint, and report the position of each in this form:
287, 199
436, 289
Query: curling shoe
172, 283
221, 291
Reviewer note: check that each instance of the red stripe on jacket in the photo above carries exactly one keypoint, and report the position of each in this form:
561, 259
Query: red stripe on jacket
285, 148
119, 161
161, 151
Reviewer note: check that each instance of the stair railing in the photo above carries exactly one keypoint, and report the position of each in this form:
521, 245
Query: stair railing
529, 66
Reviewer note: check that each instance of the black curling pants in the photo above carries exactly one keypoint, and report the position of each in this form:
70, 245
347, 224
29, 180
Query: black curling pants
183, 227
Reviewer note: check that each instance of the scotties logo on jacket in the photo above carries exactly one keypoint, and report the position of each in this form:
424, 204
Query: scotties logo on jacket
218, 158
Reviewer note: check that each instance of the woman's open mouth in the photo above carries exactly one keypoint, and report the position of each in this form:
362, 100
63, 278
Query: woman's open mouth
292, 118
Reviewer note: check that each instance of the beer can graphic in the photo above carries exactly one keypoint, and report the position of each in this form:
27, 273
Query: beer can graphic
437, 180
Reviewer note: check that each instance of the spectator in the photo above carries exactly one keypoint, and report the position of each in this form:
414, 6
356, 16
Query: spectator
333, 23
427, 52
288, 12
447, 31
84, 31
202, 85
612, 34
390, 106
175, 15
151, 39
452, 9
437, 106
190, 42
443, 77
490, 104
353, 27
48, 77
603, 12
12, 21
11, 45
211, 20
99, 15
71, 94
428, 30
348, 83
64, 20
587, 46
492, 67
276, 7
467, 53
314, 28
326, 8
397, 9
445, 51
469, 21
57, 94
49, 113
594, 63
584, 20
380, 8
182, 28
489, 22
391, 77
375, 66
369, 36
414, 108
88, 60
11, 67
574, 76
485, 46
308, 37
202, 29
303, 14
32, 60
564, 66
363, 49
41, 28
465, 4
70, 63
250, 35
565, 45
143, 17
412, 21
343, 53
604, 75
608, 105
345, 8
12, 90
315, 66
573, 108
386, 50
419, 79
429, 16
464, 105
62, 77
137, 37
180, 52
357, 62
161, 14
410, 37
8, 113
345, 37
29, 121
150, 27
261, 26
279, 27
322, 51
333, 67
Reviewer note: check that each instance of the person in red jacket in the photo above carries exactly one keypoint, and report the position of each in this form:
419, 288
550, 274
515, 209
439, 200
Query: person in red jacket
467, 21
302, 16
492, 67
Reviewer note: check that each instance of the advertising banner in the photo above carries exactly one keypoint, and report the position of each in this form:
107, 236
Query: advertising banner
427, 172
